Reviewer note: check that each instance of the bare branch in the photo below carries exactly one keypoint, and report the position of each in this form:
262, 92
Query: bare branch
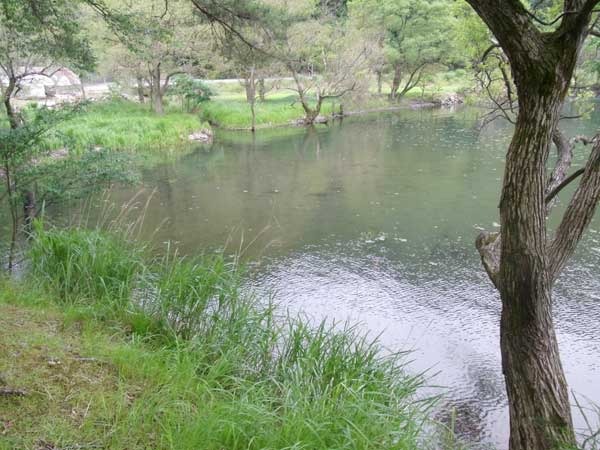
578, 215
564, 150
553, 193
489, 246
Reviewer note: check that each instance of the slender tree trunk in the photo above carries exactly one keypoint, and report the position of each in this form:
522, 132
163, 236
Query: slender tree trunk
253, 112
140, 89
261, 89
396, 81
82, 88
250, 84
13, 117
248, 89
157, 92
29, 208
379, 76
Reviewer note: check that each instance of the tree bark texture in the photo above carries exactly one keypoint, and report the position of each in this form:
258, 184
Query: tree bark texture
523, 262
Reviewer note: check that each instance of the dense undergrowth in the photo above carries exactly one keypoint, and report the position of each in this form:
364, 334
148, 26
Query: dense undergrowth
184, 358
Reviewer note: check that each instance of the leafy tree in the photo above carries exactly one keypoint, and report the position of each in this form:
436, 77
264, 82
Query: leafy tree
191, 91
410, 34
35, 39
327, 61
163, 41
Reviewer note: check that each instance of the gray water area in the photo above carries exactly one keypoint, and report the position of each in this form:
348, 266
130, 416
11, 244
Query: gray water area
373, 220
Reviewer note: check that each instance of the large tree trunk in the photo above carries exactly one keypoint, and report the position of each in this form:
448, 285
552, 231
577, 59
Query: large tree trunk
540, 415
527, 263
157, 101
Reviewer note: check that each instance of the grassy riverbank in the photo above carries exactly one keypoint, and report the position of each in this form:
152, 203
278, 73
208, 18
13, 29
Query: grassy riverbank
119, 124
125, 125
118, 351
229, 109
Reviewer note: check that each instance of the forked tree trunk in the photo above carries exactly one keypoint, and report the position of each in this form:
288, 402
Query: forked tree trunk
524, 263
311, 114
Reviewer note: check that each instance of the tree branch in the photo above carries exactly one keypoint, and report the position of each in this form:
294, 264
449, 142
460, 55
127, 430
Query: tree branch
513, 27
554, 192
564, 150
489, 246
578, 215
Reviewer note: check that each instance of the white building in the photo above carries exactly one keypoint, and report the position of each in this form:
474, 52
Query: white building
61, 81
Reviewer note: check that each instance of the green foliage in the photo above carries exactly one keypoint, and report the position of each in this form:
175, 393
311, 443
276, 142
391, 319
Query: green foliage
79, 265
42, 30
192, 92
124, 125
19, 145
408, 35
77, 176
193, 296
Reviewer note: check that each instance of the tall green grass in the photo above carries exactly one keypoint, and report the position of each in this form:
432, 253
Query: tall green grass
124, 125
222, 369
84, 265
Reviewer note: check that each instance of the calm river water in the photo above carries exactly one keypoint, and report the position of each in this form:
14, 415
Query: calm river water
374, 220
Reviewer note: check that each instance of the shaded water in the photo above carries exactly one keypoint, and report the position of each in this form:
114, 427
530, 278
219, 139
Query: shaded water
374, 220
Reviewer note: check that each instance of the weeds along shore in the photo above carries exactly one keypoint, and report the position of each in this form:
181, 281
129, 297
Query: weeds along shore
118, 350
